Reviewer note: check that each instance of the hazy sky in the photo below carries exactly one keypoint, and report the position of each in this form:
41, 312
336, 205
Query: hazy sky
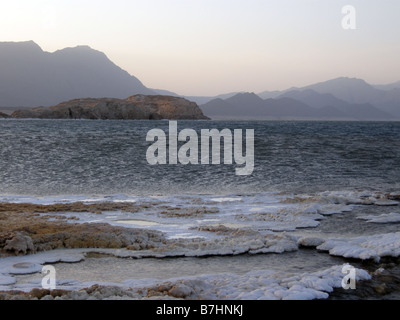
207, 47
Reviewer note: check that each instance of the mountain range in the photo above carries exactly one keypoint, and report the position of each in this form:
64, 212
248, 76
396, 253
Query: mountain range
31, 77
336, 99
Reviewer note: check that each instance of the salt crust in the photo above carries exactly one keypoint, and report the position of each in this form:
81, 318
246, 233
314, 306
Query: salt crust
364, 247
256, 285
392, 217
269, 285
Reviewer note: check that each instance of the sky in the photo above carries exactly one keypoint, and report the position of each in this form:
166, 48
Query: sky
209, 47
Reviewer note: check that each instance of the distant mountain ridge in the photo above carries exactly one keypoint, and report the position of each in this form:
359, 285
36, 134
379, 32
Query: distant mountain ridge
291, 106
31, 77
336, 99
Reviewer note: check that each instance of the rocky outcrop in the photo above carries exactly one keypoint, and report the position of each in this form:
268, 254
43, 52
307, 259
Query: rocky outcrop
138, 107
19, 243
168, 107
3, 115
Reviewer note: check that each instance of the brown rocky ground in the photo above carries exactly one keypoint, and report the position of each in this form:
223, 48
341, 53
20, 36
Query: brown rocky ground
23, 230
168, 291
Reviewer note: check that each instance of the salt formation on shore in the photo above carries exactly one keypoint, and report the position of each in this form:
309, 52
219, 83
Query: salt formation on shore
35, 234
366, 247
257, 285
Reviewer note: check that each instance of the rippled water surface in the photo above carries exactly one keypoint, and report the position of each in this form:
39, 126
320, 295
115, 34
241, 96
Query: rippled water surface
43, 157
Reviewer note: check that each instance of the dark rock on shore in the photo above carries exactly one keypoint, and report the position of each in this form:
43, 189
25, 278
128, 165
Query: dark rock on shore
138, 107
3, 115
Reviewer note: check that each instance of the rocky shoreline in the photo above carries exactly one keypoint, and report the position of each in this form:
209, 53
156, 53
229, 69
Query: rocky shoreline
382, 284
27, 228
24, 231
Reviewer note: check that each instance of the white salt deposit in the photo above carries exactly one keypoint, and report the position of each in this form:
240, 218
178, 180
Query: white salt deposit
364, 247
255, 285
331, 209
392, 217
21, 265
198, 226
262, 285
185, 215
357, 198
386, 202
226, 199
6, 280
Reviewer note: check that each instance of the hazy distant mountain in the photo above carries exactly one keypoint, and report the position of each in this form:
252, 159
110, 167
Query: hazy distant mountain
348, 89
165, 93
241, 106
250, 100
273, 94
288, 108
315, 99
198, 99
329, 106
357, 91
31, 77
390, 102
293, 105
219, 109
248, 106
395, 85
337, 99
347, 96
205, 99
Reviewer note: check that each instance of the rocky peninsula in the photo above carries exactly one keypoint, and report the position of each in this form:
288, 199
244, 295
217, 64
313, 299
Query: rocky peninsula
137, 107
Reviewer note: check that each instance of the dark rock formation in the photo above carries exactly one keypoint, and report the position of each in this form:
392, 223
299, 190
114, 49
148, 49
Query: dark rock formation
168, 107
138, 107
3, 115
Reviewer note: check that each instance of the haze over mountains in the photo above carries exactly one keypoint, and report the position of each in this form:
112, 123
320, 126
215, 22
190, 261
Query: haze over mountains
31, 77
336, 99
